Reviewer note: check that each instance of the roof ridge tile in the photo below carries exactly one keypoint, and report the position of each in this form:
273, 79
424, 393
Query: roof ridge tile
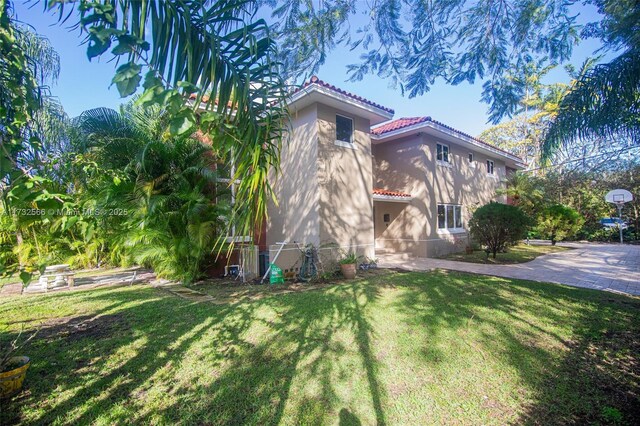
315, 80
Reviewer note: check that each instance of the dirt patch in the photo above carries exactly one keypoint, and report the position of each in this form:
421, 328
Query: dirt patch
229, 291
81, 327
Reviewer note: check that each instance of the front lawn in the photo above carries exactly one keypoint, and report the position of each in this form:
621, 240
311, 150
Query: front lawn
517, 254
396, 349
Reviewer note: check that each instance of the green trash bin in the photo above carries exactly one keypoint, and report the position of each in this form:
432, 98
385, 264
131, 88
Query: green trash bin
277, 277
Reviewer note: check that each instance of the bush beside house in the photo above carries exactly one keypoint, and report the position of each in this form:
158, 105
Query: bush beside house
496, 225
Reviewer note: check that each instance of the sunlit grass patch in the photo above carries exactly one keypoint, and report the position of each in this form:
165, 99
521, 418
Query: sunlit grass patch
401, 348
520, 253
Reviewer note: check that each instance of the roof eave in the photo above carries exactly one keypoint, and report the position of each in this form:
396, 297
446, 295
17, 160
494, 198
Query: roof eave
517, 162
375, 114
392, 198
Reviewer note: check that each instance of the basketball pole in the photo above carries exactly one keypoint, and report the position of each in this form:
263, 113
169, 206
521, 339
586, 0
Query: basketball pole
620, 218
619, 197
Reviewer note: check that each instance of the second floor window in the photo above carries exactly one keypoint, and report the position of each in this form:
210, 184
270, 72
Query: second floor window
344, 129
490, 167
442, 153
470, 157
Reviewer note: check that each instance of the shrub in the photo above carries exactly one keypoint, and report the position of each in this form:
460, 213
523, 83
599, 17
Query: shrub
496, 225
558, 222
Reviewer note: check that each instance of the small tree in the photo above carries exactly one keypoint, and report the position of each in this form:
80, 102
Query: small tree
496, 225
558, 222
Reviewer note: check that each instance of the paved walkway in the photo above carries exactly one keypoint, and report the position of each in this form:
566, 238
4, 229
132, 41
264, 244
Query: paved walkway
598, 266
99, 278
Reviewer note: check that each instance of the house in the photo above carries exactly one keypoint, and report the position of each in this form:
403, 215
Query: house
354, 178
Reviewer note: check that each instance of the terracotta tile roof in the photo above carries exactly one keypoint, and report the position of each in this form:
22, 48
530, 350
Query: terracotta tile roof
410, 121
398, 124
378, 191
316, 80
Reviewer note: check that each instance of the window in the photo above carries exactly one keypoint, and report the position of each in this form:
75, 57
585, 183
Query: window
470, 157
458, 215
449, 217
226, 198
344, 129
489, 167
225, 189
442, 153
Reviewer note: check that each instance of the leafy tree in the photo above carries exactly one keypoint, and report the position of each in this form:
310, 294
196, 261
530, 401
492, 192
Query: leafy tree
524, 134
558, 222
27, 64
415, 42
497, 225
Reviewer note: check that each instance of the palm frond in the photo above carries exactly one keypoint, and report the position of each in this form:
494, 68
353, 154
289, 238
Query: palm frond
604, 103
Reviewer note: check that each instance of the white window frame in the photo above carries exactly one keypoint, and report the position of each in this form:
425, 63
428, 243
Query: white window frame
453, 229
491, 171
443, 162
471, 160
231, 183
346, 144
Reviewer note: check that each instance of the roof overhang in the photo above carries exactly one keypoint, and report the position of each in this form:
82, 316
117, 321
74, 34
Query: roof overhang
449, 135
392, 199
315, 93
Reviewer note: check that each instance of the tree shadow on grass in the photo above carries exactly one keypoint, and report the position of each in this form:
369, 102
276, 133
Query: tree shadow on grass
78, 377
255, 386
149, 357
576, 350
136, 346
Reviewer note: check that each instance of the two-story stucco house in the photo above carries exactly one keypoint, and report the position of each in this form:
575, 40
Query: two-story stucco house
352, 177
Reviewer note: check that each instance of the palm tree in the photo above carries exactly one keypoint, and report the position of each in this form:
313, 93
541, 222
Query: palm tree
158, 189
605, 101
524, 191
215, 52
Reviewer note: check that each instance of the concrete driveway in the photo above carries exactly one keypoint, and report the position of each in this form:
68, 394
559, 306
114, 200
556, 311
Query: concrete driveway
598, 266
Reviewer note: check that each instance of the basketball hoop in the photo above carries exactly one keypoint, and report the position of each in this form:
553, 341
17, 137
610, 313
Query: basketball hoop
619, 197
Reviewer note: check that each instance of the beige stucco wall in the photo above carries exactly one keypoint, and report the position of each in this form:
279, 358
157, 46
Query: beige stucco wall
409, 165
345, 184
324, 191
296, 216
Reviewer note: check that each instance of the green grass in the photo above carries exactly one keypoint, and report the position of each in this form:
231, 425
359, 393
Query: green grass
397, 349
517, 254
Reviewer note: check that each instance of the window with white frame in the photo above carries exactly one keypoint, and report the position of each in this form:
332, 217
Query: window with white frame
226, 196
442, 153
449, 217
490, 167
344, 129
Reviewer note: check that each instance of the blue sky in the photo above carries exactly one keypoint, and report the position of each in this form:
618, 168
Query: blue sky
83, 85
